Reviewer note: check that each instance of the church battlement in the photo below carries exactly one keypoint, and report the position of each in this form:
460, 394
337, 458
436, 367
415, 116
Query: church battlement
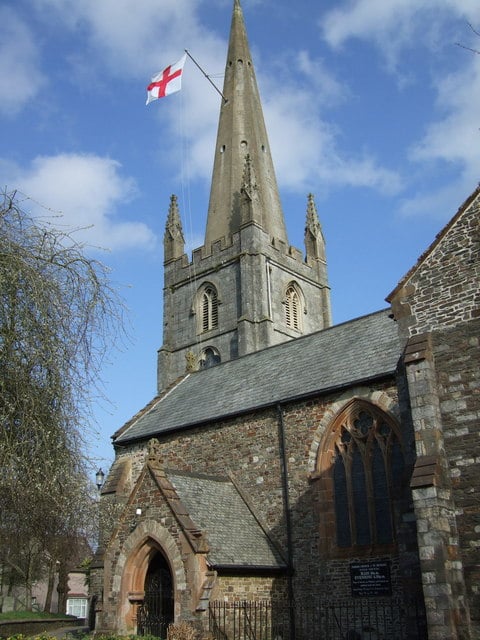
222, 251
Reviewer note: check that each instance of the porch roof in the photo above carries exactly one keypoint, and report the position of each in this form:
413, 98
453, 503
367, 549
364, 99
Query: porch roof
235, 537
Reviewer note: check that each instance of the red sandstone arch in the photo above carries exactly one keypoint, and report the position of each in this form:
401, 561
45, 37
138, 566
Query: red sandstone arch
326, 449
379, 398
148, 539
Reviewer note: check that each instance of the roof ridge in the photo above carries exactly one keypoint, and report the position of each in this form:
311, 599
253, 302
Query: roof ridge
149, 406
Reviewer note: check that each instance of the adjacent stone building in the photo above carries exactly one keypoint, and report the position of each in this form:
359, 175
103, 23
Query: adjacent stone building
285, 462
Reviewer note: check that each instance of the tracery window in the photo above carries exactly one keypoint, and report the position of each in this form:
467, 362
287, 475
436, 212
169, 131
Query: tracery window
293, 307
209, 309
366, 473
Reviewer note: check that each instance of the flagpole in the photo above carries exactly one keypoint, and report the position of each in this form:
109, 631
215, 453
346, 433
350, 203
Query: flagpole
206, 76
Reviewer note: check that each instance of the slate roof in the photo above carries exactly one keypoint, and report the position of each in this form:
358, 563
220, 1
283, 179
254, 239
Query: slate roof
235, 538
359, 350
115, 476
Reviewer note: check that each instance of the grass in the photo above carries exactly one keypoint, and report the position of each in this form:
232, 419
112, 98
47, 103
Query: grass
30, 615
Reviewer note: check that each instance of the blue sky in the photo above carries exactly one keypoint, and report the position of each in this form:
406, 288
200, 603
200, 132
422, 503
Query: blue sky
370, 105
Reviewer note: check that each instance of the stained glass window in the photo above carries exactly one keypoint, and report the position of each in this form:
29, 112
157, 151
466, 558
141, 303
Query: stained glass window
367, 474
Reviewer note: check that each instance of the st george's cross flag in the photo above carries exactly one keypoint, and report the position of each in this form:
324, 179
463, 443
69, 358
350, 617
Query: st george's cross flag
166, 82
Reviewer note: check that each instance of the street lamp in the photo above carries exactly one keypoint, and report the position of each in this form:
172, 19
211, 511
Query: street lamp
99, 478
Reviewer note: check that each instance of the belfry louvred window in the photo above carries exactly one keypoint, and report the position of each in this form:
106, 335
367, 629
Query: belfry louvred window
209, 309
292, 308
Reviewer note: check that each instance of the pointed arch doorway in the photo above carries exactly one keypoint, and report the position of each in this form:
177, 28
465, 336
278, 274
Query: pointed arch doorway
157, 610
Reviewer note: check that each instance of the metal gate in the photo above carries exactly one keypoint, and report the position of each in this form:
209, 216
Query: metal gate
156, 611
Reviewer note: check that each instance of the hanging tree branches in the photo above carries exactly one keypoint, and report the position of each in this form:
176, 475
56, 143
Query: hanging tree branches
59, 316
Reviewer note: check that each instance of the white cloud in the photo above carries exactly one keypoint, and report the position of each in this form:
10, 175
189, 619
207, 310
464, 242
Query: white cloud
396, 23
20, 76
306, 149
86, 190
428, 29
453, 138
305, 146
440, 203
133, 41
456, 136
303, 70
137, 44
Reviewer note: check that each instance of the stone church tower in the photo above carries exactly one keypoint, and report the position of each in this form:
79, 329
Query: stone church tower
246, 288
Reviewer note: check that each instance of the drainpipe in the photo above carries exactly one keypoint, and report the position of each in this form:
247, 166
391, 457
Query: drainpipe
288, 520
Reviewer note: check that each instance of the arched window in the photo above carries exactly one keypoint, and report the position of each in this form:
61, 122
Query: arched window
209, 358
209, 308
293, 308
362, 468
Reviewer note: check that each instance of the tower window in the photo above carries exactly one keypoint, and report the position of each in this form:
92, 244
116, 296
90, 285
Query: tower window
293, 308
209, 308
209, 358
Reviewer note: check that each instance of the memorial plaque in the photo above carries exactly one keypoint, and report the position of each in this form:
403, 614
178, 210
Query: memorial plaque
370, 579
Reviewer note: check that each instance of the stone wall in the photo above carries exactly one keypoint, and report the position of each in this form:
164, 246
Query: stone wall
252, 588
457, 359
437, 307
25, 628
443, 289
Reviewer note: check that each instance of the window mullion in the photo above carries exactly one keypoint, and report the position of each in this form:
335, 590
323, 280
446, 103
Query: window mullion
369, 482
350, 495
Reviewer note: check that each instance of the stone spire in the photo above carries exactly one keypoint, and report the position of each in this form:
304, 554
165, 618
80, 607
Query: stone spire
173, 241
242, 133
315, 257
314, 240
230, 299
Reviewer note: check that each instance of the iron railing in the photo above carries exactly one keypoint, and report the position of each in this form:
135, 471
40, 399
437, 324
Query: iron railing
352, 619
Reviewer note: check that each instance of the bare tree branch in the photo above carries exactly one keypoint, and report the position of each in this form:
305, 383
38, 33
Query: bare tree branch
477, 33
59, 317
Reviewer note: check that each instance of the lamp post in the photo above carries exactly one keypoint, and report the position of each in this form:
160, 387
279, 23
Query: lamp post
99, 479
95, 576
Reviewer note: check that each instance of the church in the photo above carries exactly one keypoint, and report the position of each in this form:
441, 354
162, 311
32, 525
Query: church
291, 477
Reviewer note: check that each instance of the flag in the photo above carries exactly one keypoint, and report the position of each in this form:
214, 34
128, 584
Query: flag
166, 82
